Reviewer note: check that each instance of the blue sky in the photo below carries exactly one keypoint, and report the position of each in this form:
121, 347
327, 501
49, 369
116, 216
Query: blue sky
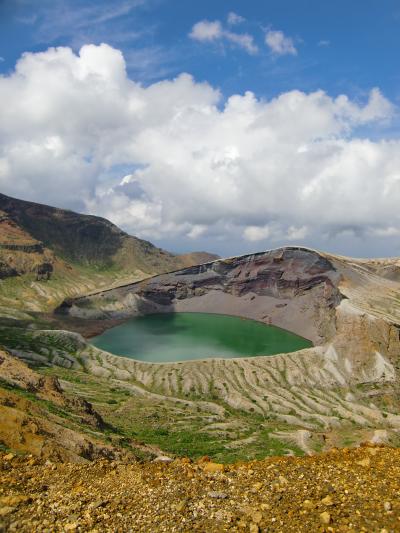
342, 46
323, 79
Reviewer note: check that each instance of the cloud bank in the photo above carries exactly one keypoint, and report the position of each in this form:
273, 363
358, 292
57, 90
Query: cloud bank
174, 160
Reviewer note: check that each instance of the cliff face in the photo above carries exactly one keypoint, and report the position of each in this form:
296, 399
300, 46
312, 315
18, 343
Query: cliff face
294, 288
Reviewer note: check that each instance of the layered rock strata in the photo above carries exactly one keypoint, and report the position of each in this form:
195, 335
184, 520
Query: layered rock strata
294, 288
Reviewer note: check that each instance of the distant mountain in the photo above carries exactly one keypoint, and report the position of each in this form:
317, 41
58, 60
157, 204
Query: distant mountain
39, 242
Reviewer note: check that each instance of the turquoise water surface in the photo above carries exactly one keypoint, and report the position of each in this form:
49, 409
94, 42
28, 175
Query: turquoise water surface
183, 336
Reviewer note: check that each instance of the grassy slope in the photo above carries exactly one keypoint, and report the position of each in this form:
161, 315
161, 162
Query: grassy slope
23, 294
184, 425
87, 240
180, 429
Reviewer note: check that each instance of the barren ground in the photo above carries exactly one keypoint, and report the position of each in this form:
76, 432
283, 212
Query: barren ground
340, 491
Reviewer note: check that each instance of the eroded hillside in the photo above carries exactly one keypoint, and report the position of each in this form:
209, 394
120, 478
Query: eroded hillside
39, 417
342, 391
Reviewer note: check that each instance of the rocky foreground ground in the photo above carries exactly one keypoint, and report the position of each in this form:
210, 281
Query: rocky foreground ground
349, 490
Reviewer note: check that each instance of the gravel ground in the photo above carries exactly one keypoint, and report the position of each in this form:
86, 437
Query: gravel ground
349, 490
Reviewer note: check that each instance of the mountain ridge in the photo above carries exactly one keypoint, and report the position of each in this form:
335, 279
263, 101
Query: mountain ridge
76, 253
75, 237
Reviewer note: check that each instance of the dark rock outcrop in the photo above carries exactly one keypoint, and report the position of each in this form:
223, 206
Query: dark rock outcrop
36, 248
43, 271
7, 271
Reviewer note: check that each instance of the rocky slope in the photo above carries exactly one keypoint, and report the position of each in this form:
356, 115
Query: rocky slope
20, 253
342, 491
39, 418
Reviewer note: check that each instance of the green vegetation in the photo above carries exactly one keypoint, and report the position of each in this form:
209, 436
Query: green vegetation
180, 428
186, 425
23, 294
46, 405
44, 343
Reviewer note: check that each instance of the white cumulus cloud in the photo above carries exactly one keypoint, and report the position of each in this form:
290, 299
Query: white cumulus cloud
280, 44
233, 19
174, 161
208, 31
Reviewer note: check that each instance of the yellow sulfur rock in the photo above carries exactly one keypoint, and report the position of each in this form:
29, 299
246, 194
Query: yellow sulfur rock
327, 500
325, 517
213, 467
364, 462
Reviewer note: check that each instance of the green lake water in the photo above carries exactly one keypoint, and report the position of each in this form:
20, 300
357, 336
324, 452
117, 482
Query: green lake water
183, 336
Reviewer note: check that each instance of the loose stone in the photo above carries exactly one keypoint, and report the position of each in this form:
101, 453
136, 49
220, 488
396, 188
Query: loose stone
218, 495
325, 517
